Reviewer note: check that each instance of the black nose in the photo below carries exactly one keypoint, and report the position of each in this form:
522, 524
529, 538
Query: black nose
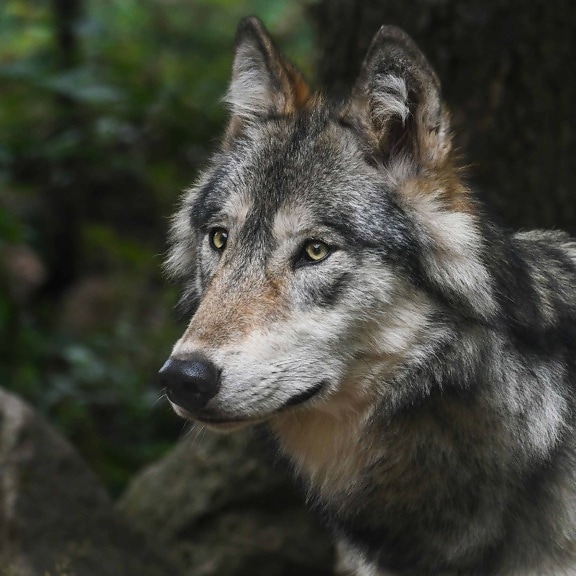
190, 383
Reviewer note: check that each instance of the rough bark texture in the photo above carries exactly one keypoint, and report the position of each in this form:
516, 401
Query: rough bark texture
507, 70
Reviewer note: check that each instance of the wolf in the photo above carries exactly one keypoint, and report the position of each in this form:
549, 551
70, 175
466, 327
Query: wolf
414, 361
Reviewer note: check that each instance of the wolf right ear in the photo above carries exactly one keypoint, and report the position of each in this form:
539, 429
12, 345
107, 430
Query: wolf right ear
397, 96
263, 82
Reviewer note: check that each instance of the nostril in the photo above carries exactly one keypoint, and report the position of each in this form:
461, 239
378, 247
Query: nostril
190, 382
202, 374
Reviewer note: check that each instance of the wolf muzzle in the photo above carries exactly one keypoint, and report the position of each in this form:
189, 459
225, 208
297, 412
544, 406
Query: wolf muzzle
191, 382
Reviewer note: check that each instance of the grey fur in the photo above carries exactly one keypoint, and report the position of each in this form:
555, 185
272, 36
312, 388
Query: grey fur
438, 350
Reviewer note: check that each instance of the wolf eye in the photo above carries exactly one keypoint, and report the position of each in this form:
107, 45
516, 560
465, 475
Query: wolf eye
218, 238
315, 251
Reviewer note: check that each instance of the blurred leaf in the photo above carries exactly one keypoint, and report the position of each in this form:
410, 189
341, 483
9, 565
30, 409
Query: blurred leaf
21, 70
10, 230
81, 85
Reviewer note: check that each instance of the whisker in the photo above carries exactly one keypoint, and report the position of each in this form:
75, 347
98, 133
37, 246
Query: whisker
161, 398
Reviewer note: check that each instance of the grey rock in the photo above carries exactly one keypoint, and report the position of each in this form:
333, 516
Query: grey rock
226, 510
55, 518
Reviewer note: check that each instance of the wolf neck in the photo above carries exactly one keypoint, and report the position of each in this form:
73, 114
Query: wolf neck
395, 478
332, 444
326, 450
435, 458
428, 417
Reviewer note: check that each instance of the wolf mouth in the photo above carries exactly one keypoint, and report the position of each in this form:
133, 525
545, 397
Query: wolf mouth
304, 396
293, 401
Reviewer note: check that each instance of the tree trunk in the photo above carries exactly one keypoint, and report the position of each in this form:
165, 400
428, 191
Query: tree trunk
65, 204
507, 71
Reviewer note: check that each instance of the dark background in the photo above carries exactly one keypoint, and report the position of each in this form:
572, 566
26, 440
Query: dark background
109, 108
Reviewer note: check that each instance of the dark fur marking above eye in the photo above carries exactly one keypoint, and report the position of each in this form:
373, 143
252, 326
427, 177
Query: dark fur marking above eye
203, 213
208, 202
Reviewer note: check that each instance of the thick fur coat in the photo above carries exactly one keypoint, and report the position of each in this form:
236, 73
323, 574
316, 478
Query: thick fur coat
415, 362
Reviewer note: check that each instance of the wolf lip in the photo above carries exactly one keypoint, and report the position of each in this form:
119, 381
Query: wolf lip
304, 396
292, 401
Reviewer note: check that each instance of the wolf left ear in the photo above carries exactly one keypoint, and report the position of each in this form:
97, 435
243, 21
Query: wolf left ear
263, 82
398, 96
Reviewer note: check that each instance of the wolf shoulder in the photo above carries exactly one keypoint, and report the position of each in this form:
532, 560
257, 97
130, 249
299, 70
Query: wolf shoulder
553, 238
550, 252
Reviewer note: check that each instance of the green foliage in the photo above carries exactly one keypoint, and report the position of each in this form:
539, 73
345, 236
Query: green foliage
97, 138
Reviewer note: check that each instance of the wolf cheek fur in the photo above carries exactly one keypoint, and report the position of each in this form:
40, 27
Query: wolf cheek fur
415, 362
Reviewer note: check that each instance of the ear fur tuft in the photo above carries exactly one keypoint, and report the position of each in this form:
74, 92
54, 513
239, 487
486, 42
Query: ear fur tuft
397, 96
263, 82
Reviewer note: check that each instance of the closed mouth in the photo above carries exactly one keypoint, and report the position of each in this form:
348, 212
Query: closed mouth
224, 423
304, 396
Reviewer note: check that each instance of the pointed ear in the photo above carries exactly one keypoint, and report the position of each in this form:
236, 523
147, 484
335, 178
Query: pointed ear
398, 96
263, 81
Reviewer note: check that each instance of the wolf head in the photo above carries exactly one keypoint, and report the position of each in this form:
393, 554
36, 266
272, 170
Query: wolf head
315, 245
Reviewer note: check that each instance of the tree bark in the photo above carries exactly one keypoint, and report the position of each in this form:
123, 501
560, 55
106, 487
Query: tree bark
507, 70
65, 202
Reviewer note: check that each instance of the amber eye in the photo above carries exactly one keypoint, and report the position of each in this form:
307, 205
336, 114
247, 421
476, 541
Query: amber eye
218, 238
316, 250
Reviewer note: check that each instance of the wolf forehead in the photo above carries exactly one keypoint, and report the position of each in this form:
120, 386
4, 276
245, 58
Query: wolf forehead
302, 171
376, 168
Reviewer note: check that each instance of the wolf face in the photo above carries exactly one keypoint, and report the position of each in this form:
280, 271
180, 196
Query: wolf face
415, 362
282, 245
297, 246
